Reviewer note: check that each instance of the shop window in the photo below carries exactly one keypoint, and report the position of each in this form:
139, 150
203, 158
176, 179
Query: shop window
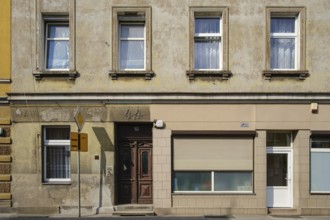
320, 163
56, 154
213, 164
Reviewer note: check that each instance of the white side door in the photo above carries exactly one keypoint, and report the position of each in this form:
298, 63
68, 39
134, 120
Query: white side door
279, 177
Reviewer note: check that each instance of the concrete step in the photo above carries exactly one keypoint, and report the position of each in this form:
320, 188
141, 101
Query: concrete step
283, 212
134, 210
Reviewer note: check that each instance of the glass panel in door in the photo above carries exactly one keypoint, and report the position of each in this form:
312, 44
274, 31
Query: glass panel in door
277, 169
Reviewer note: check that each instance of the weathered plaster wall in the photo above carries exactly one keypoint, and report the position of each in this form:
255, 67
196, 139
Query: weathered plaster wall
97, 176
170, 47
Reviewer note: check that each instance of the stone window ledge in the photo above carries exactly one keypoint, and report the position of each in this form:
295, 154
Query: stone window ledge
71, 75
223, 74
300, 74
147, 74
57, 183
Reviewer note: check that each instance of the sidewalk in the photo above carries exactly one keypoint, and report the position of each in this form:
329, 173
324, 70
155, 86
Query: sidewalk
107, 216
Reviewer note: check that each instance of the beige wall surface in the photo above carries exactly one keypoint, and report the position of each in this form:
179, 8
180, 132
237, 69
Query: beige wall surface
170, 47
97, 175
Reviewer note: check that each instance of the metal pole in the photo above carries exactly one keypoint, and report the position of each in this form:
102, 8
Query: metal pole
79, 205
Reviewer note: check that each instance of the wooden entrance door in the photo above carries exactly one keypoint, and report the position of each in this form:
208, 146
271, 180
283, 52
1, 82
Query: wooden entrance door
134, 163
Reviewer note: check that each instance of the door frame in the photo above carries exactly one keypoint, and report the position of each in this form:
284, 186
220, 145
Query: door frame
116, 159
289, 152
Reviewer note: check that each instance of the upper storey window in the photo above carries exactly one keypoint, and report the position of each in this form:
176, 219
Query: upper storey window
132, 46
57, 46
207, 43
131, 42
283, 43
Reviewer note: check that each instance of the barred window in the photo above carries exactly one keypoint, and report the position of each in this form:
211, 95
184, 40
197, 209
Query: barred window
56, 154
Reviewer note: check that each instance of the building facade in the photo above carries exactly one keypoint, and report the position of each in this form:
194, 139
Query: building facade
190, 107
5, 122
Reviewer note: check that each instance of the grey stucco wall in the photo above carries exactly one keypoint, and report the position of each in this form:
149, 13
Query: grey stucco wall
170, 47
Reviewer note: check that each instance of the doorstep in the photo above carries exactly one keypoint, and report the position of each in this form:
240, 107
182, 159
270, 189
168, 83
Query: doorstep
134, 210
283, 212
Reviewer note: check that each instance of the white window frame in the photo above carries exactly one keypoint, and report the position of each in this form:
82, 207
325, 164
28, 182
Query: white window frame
318, 150
53, 143
55, 39
294, 36
207, 37
132, 39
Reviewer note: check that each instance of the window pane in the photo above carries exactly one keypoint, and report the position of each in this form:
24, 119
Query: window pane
58, 31
192, 181
277, 169
58, 54
206, 54
321, 143
282, 53
277, 139
320, 178
233, 181
145, 163
132, 54
282, 25
207, 25
57, 133
132, 31
57, 162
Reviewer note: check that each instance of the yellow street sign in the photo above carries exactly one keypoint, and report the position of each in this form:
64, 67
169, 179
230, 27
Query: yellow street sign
78, 117
83, 141
74, 141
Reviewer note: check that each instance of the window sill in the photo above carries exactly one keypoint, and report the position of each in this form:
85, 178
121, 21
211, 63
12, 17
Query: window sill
214, 193
5, 140
223, 74
300, 74
71, 75
147, 74
57, 183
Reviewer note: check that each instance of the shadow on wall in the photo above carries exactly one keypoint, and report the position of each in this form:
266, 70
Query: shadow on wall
106, 145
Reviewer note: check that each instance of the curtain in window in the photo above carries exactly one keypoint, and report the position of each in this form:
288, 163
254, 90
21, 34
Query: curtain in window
206, 55
207, 43
58, 47
282, 25
58, 54
58, 162
207, 25
132, 46
132, 54
282, 53
282, 43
